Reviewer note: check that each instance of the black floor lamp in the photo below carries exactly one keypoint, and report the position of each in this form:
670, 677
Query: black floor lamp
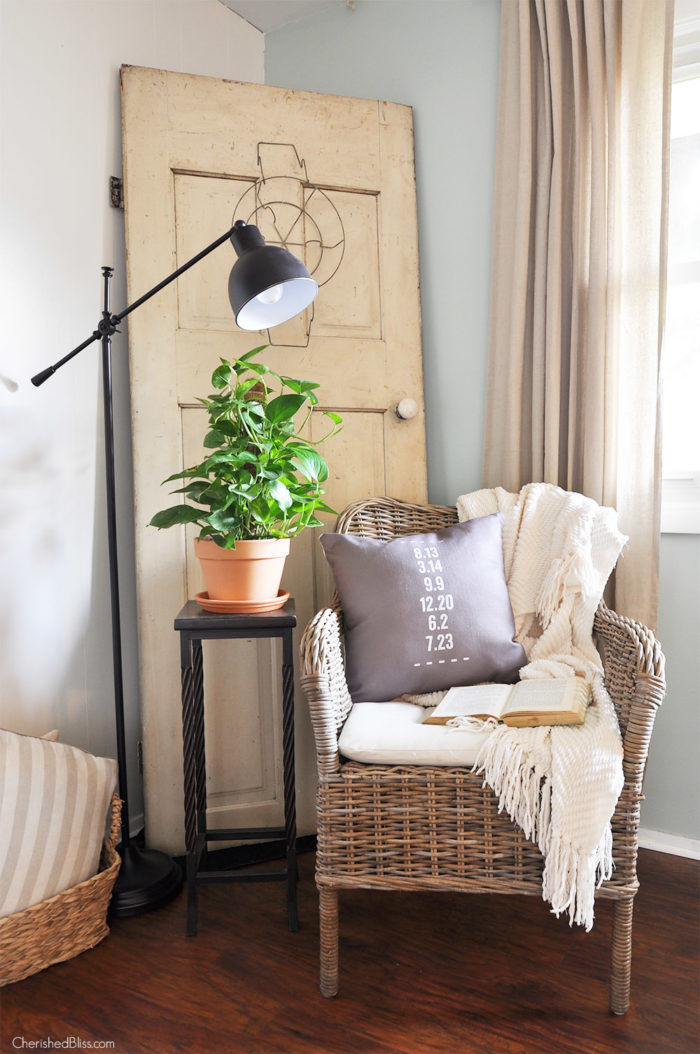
267, 286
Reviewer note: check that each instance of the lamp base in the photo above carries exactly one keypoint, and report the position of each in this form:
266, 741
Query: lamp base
147, 879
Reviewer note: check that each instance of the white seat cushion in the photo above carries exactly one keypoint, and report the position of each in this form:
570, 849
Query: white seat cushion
394, 734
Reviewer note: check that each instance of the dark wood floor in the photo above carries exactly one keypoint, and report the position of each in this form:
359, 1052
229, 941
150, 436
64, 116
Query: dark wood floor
419, 973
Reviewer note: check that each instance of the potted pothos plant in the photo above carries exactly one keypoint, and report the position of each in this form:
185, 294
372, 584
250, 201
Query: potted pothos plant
260, 484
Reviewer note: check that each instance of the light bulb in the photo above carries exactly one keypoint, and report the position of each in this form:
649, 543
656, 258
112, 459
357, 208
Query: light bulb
271, 295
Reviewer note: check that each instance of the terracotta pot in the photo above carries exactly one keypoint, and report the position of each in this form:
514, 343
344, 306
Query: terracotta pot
250, 572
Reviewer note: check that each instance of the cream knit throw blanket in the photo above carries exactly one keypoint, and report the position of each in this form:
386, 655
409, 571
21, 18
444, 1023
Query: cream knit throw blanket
559, 783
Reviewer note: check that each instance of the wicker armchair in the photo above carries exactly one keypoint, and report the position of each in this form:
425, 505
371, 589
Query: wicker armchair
433, 828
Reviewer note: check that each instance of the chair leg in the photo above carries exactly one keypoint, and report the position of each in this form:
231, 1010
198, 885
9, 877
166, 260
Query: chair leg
621, 956
328, 913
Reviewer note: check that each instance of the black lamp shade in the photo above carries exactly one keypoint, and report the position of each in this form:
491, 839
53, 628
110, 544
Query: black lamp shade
267, 284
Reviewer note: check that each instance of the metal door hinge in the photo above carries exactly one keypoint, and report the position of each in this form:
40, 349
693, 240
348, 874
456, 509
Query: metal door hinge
139, 755
116, 192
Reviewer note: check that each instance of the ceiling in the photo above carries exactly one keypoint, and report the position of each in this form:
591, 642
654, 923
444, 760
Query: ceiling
271, 14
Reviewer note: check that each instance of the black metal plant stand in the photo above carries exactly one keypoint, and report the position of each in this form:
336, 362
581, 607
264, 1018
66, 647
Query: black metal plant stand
194, 626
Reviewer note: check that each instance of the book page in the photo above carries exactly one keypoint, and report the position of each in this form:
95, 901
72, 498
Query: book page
472, 701
545, 695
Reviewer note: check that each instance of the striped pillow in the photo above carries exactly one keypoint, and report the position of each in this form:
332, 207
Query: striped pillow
53, 809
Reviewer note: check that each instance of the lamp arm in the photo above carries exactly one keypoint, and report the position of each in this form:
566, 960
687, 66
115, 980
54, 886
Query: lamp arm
108, 323
176, 274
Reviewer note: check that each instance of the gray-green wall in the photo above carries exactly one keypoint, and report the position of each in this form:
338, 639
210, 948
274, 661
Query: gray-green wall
432, 55
441, 57
672, 785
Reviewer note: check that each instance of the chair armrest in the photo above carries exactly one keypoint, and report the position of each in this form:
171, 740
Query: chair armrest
324, 684
635, 678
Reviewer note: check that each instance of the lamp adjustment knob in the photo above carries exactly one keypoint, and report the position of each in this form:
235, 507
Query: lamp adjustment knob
406, 409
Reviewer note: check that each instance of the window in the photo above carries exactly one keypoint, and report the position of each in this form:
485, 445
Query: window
680, 511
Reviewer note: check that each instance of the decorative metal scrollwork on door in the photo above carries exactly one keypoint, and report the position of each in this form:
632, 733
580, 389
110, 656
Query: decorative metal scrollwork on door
297, 214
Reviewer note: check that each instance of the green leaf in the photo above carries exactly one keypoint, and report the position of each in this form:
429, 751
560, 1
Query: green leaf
215, 438
194, 491
257, 367
301, 387
221, 375
222, 520
283, 407
247, 491
245, 386
322, 507
280, 493
226, 427
174, 515
311, 464
243, 479
251, 408
214, 496
228, 541
260, 511
250, 354
269, 473
187, 473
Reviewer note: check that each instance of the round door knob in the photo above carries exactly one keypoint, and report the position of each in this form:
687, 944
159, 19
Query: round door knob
407, 409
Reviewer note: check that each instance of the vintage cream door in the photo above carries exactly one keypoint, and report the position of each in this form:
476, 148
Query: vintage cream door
333, 179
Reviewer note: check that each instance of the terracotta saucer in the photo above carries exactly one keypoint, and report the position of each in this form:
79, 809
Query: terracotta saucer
241, 607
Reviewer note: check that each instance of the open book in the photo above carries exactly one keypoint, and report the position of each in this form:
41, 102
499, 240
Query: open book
540, 701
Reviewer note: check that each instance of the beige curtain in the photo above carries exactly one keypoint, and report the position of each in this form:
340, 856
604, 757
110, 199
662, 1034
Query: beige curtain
578, 270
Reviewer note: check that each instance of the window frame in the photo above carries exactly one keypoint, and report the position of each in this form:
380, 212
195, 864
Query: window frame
680, 488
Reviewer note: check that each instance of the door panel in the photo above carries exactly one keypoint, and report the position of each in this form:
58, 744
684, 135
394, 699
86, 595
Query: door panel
243, 733
334, 179
202, 210
352, 308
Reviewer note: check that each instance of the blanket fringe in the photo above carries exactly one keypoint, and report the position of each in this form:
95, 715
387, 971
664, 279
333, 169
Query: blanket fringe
570, 880
519, 782
524, 790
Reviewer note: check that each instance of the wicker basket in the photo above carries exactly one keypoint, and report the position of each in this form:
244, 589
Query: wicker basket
65, 925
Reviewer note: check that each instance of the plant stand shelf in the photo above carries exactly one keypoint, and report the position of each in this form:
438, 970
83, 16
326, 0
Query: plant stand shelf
195, 625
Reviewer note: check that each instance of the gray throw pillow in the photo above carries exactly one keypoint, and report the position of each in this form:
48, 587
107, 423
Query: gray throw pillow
425, 612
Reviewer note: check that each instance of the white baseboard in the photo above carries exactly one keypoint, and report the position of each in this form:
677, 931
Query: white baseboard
661, 842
